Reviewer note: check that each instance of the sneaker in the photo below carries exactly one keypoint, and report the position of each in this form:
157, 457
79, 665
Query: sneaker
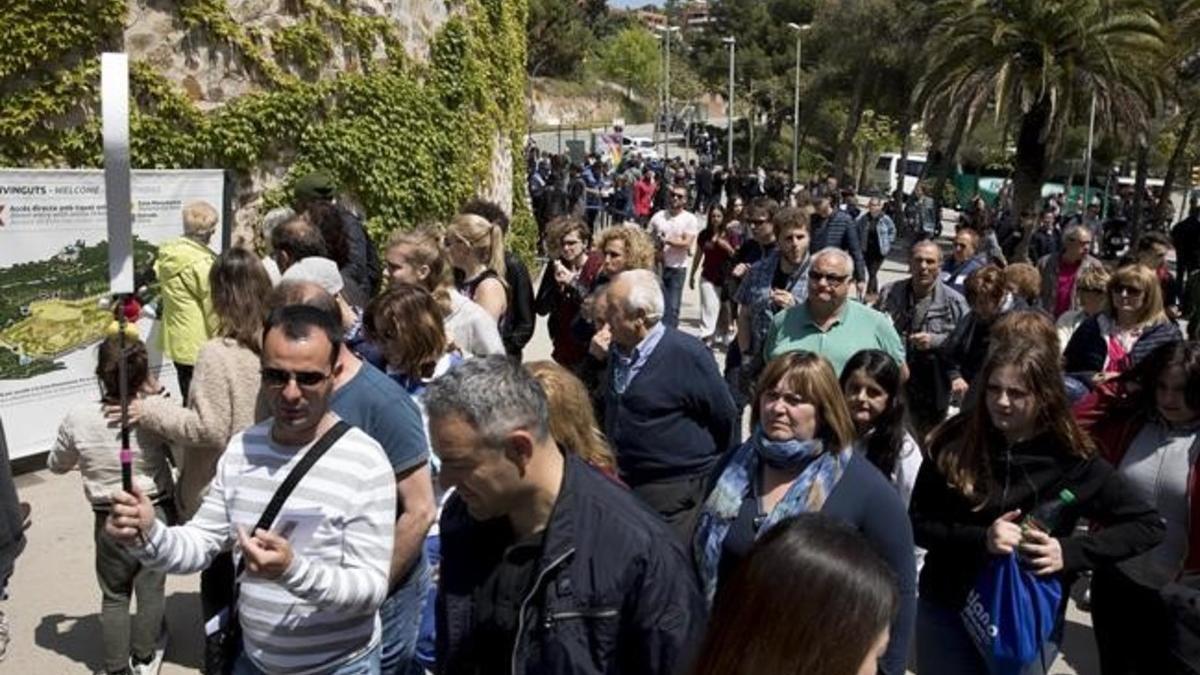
153, 664
26, 515
4, 635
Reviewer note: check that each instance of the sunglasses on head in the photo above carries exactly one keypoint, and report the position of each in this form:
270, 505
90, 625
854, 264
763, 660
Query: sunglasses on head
277, 378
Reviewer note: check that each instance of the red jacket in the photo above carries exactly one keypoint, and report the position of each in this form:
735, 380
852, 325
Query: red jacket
1109, 414
643, 197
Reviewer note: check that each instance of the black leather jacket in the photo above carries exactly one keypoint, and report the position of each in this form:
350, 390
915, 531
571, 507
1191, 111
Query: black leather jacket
613, 590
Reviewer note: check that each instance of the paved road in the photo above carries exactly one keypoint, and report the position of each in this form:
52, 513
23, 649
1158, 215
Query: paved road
55, 600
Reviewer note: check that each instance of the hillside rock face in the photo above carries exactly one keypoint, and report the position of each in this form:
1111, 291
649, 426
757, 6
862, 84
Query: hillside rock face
212, 73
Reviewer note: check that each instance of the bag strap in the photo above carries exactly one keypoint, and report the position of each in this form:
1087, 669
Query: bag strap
284, 490
293, 478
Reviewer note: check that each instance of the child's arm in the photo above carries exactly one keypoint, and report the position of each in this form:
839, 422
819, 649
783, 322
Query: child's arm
65, 455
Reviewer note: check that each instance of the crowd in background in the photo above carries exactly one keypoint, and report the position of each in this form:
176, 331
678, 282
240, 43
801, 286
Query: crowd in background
615, 509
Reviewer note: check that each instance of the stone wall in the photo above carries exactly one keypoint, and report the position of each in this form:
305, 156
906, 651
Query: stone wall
212, 74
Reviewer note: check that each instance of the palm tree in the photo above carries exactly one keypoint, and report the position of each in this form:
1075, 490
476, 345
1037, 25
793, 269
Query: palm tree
1038, 62
1184, 62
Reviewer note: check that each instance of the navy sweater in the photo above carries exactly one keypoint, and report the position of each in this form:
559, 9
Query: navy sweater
676, 417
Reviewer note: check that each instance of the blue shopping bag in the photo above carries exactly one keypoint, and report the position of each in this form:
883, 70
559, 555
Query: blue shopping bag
1010, 614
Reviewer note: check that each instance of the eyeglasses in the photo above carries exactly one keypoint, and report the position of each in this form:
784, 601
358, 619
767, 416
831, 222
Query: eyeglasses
1124, 289
831, 279
277, 378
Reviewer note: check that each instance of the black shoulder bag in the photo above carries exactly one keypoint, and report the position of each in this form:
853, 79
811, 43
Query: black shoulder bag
221, 647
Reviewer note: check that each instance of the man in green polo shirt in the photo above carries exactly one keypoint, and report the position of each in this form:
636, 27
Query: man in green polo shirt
828, 323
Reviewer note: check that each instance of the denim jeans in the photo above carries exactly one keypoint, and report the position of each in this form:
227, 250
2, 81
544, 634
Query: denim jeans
944, 646
366, 664
673, 279
401, 617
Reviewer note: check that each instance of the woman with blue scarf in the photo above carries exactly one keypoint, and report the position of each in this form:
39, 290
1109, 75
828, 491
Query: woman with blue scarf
799, 460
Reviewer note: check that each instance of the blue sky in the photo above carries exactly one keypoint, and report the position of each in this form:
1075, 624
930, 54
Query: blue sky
633, 3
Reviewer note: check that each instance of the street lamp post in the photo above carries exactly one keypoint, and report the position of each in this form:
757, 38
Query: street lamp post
732, 42
796, 111
1087, 173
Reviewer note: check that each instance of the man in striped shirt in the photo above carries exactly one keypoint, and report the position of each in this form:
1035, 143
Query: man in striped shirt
308, 604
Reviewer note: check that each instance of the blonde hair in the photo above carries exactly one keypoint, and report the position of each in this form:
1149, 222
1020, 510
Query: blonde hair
572, 423
425, 248
485, 239
639, 248
1024, 280
199, 218
1141, 277
1094, 276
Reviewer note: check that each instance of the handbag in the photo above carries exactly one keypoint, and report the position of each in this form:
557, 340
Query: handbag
223, 639
1010, 614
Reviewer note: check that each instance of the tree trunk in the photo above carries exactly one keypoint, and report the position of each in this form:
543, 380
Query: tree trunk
902, 165
1029, 169
1161, 214
1139, 186
846, 142
949, 158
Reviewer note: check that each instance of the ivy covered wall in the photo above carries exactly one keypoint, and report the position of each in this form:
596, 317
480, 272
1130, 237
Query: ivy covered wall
409, 127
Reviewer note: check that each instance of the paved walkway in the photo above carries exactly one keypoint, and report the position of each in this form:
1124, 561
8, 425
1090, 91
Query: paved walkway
55, 600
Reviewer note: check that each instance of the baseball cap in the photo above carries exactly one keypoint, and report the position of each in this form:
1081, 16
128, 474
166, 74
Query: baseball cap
320, 271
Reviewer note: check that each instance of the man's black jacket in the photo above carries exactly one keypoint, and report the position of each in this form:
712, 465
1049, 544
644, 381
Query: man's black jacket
613, 590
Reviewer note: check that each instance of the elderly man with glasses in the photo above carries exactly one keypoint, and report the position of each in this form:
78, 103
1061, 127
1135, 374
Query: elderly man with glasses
1061, 270
677, 229
828, 322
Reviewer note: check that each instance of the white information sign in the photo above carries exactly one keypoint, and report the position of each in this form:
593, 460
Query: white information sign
53, 275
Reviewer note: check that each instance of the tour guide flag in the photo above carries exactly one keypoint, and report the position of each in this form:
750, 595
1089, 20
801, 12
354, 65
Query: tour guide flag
114, 107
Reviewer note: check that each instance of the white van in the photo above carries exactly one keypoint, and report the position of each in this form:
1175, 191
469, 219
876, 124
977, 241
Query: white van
883, 176
641, 145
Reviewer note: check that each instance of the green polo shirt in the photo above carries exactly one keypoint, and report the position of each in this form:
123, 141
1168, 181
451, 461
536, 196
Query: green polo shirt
857, 328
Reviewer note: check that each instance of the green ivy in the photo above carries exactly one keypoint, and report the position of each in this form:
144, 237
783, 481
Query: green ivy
409, 141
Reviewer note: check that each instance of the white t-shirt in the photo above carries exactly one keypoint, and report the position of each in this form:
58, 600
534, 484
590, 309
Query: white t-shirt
667, 227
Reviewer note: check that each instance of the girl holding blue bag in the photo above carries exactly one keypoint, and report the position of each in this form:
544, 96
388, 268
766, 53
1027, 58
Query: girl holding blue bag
1017, 448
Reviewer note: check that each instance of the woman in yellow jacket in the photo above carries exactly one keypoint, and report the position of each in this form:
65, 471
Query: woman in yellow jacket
188, 320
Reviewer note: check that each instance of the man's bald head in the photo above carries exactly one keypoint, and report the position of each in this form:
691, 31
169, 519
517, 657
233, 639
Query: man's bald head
296, 239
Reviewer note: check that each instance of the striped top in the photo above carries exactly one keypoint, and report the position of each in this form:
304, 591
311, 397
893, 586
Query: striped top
323, 610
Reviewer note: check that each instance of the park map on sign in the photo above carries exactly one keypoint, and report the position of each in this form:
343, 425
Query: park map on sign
49, 308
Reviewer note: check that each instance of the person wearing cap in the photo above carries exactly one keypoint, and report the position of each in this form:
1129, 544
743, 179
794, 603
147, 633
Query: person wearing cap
362, 265
181, 267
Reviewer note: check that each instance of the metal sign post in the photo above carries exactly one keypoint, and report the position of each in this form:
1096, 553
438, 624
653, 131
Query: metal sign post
114, 108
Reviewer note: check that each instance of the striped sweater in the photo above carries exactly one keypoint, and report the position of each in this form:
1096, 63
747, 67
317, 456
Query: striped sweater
323, 610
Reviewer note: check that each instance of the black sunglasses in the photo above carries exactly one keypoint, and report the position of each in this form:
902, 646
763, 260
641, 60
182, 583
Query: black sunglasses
277, 378
833, 279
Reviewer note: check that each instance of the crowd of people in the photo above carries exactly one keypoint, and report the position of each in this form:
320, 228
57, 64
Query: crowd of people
369, 478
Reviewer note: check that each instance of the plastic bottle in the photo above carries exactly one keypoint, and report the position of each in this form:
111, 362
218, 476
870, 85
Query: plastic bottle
1046, 515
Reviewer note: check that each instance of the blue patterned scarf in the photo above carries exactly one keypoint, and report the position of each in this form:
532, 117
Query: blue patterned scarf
817, 474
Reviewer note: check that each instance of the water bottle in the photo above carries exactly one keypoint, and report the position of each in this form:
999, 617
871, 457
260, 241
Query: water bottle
1046, 515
